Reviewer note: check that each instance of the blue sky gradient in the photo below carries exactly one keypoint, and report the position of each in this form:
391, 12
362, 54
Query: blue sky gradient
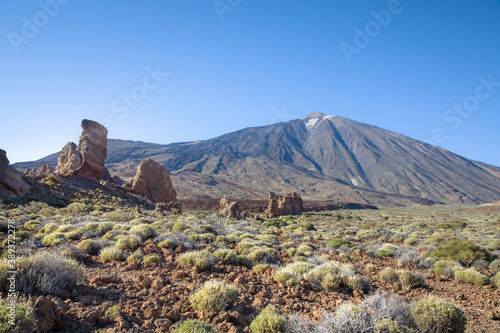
233, 64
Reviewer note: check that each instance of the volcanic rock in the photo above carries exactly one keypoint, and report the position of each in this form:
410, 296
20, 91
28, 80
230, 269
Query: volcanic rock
11, 182
152, 181
289, 204
92, 146
69, 159
229, 209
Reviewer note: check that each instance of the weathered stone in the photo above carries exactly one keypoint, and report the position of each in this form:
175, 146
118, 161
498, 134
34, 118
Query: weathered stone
152, 181
69, 159
47, 315
92, 146
229, 209
11, 182
289, 204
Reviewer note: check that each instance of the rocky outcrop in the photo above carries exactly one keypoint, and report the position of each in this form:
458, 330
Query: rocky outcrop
11, 182
289, 204
43, 171
229, 209
152, 181
92, 146
69, 159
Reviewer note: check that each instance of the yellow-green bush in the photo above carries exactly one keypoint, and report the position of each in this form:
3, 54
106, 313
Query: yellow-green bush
213, 296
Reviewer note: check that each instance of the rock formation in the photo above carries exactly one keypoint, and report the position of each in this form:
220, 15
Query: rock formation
289, 204
92, 146
87, 159
229, 209
11, 182
43, 171
162, 207
69, 159
152, 181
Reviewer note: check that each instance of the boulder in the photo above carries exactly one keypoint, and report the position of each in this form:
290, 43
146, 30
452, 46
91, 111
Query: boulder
11, 181
288, 204
69, 159
48, 316
229, 209
152, 181
92, 147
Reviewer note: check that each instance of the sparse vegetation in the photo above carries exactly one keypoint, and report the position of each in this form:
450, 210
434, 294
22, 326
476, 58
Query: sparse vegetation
213, 296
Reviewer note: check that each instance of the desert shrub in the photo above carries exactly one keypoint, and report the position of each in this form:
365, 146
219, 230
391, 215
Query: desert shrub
49, 227
495, 266
459, 250
305, 250
112, 312
308, 226
111, 254
213, 296
194, 326
388, 275
471, 276
46, 273
369, 268
296, 323
152, 259
440, 266
105, 227
202, 259
226, 255
207, 237
167, 243
73, 235
54, 239
24, 317
286, 277
127, 242
338, 242
31, 225
269, 320
348, 318
144, 231
435, 315
179, 226
135, 256
387, 250
408, 280
244, 261
75, 208
88, 246
389, 307
331, 282
178, 238
260, 268
300, 268
391, 326
496, 278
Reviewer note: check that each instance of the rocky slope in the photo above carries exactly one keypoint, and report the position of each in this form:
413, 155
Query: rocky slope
319, 157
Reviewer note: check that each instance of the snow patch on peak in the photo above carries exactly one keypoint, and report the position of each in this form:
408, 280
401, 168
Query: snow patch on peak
311, 122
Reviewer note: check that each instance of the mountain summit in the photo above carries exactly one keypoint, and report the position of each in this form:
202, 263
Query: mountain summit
319, 156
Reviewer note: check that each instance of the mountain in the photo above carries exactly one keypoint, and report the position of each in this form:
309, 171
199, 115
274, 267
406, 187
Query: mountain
322, 157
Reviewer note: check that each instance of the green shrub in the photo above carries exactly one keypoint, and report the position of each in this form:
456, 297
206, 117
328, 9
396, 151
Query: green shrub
194, 326
437, 315
495, 266
202, 259
226, 255
152, 259
127, 242
338, 242
213, 296
369, 268
31, 225
471, 276
269, 320
260, 268
441, 265
112, 312
57, 238
286, 277
244, 261
88, 246
408, 280
105, 227
111, 254
144, 231
300, 267
179, 226
24, 317
167, 243
135, 256
76, 208
388, 275
332, 282
460, 250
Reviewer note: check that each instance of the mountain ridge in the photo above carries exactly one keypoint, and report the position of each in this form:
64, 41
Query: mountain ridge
322, 157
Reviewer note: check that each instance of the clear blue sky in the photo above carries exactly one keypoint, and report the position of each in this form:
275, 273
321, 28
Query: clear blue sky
265, 62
